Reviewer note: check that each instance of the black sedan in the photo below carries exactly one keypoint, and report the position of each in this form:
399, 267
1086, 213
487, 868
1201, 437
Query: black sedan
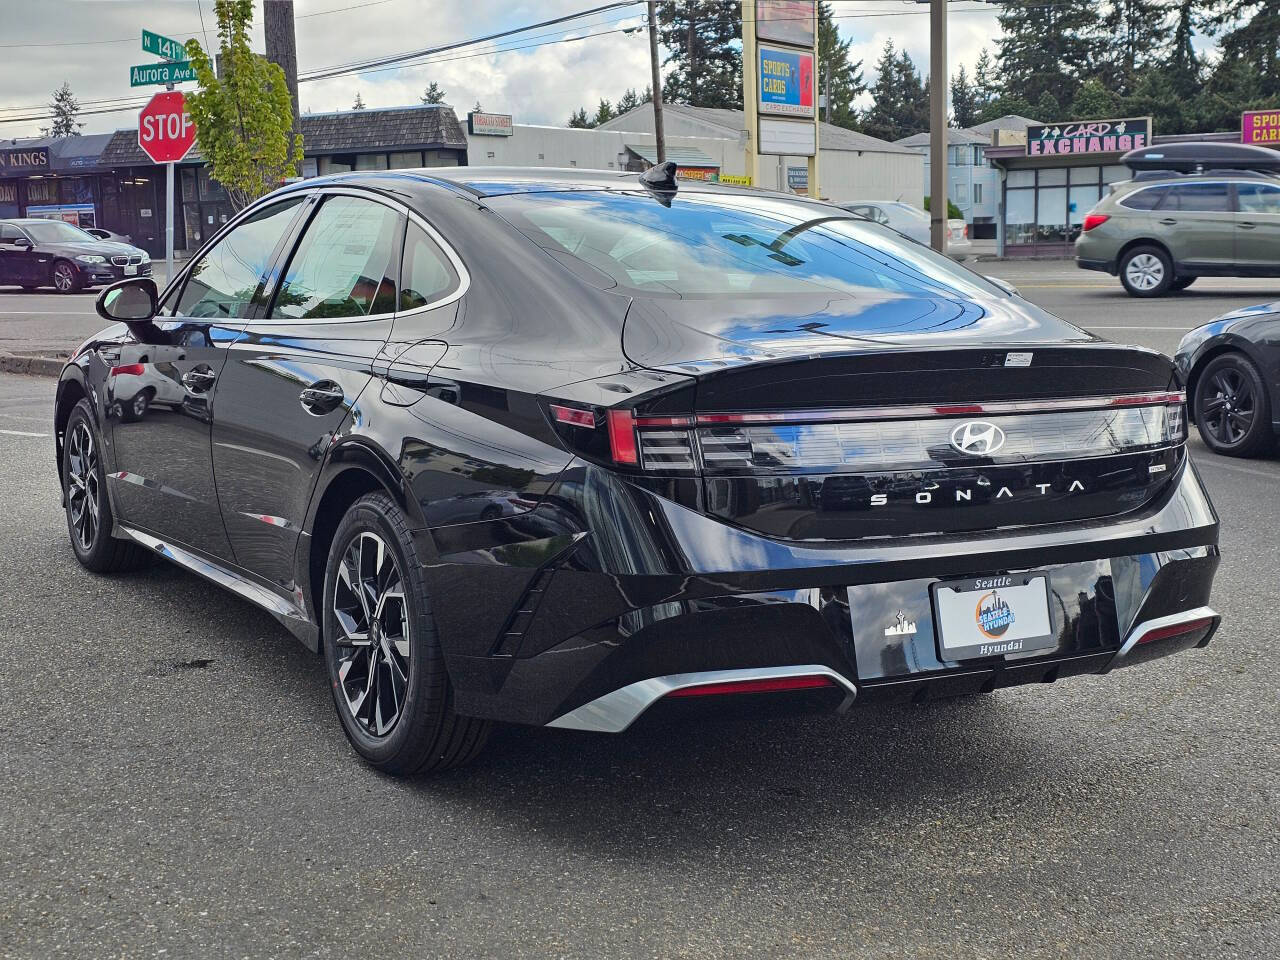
569, 447
52, 253
1231, 366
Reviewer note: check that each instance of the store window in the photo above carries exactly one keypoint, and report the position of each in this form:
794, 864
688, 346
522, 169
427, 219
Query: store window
406, 159
337, 164
371, 161
1020, 216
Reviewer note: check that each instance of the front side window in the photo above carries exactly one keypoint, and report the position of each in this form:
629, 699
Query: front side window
342, 266
716, 245
1258, 198
427, 274
224, 282
1200, 197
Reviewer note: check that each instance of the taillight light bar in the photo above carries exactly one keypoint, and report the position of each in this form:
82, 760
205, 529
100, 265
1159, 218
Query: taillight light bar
1176, 630
759, 685
622, 437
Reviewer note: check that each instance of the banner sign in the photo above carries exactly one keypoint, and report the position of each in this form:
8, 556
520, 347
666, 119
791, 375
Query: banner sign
736, 179
24, 160
698, 173
798, 179
1088, 136
785, 21
490, 124
786, 82
1260, 127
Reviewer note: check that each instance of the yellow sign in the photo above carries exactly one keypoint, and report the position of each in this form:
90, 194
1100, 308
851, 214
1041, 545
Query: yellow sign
734, 179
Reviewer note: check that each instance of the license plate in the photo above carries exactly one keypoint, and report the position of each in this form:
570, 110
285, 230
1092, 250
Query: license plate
993, 616
130, 271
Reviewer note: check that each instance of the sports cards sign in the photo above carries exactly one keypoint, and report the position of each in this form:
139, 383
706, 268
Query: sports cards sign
1088, 136
786, 82
1260, 127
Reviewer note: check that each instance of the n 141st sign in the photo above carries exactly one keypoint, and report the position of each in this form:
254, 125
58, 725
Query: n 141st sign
166, 132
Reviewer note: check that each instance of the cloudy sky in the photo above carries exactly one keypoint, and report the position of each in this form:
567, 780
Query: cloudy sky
92, 43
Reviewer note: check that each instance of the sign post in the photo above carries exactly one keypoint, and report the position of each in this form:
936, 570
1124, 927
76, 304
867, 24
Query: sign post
166, 134
780, 85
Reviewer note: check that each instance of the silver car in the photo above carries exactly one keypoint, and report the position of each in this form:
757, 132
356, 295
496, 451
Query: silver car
913, 222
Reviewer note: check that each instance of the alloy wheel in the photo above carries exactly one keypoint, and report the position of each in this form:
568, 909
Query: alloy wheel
1145, 271
83, 493
373, 649
63, 278
1229, 406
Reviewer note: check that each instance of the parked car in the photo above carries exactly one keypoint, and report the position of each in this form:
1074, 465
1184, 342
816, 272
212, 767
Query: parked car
52, 253
1163, 231
1231, 367
103, 234
914, 223
553, 447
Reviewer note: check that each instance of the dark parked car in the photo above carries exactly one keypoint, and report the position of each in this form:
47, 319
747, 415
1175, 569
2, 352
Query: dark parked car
1231, 367
552, 447
52, 253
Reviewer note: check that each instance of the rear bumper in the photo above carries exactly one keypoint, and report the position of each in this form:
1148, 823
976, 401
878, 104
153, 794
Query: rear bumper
608, 596
1105, 266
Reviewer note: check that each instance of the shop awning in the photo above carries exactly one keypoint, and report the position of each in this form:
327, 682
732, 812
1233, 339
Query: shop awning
683, 156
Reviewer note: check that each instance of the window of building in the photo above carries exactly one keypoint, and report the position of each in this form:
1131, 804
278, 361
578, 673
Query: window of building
371, 161
335, 164
1051, 177
977, 193
223, 283
490, 154
342, 265
426, 274
406, 159
1021, 178
1020, 216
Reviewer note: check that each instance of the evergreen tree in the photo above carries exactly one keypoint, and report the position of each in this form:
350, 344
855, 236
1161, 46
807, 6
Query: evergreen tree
882, 117
627, 102
580, 120
1133, 36
1006, 105
914, 92
985, 81
433, 94
359, 103
1047, 47
1250, 34
477, 108
964, 99
1048, 108
1093, 102
702, 37
1183, 65
604, 113
840, 80
64, 109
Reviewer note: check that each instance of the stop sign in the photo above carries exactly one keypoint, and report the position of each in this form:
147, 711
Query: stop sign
165, 130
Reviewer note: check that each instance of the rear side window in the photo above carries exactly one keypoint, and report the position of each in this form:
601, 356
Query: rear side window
1258, 198
427, 275
1201, 197
342, 266
1146, 199
223, 283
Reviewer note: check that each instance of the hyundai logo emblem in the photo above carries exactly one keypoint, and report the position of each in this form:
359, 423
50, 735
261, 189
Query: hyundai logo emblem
977, 438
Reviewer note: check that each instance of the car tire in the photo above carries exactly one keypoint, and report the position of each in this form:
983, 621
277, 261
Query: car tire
1146, 271
1232, 408
88, 508
386, 669
66, 278
137, 407
1182, 283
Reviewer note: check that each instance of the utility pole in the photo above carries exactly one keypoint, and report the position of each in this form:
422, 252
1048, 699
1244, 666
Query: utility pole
938, 125
658, 130
282, 47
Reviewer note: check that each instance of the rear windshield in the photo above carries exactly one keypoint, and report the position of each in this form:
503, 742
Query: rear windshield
718, 245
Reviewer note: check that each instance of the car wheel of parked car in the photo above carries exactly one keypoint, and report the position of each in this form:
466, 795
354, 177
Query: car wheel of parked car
66, 278
89, 518
1232, 409
386, 668
1146, 272
136, 408
1183, 282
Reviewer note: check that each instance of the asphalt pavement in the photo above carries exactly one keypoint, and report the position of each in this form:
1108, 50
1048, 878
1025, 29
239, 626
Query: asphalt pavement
173, 780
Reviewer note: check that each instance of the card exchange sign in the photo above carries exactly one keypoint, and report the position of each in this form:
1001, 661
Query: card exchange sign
1088, 136
786, 82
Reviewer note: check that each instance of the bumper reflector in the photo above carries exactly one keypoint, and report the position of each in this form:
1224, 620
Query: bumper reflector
1175, 630
763, 685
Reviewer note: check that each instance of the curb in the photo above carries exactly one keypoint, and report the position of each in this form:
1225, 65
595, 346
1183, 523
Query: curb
33, 366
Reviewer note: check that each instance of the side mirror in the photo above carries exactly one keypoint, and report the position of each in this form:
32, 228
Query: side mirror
1004, 285
134, 300
22, 242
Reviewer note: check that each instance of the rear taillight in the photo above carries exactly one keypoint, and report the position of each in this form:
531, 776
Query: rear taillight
573, 416
760, 685
966, 231
622, 437
1092, 220
128, 370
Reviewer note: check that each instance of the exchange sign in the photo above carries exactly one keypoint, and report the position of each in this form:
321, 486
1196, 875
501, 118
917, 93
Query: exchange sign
1088, 136
166, 132
786, 82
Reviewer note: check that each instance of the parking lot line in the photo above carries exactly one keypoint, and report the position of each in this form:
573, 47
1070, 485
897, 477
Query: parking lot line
22, 433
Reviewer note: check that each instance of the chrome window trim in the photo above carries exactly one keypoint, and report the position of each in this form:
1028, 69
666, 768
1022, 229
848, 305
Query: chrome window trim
464, 276
615, 711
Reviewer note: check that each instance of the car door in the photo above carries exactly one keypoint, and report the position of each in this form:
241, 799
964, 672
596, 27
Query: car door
1258, 227
161, 393
295, 373
15, 256
1198, 222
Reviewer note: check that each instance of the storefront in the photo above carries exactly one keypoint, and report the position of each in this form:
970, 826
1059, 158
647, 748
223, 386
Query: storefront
105, 180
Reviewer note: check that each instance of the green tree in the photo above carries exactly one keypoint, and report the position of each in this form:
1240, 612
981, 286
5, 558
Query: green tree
1133, 36
65, 110
1006, 105
580, 120
359, 102
1093, 102
433, 93
604, 113
915, 96
964, 99
703, 40
1047, 47
1249, 32
1048, 107
1183, 66
986, 83
244, 119
477, 108
841, 81
628, 102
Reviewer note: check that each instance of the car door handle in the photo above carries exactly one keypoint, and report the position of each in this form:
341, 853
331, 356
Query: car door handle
1168, 222
199, 379
321, 397
1246, 225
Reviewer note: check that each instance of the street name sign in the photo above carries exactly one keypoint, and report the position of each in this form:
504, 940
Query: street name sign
163, 46
148, 74
166, 132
